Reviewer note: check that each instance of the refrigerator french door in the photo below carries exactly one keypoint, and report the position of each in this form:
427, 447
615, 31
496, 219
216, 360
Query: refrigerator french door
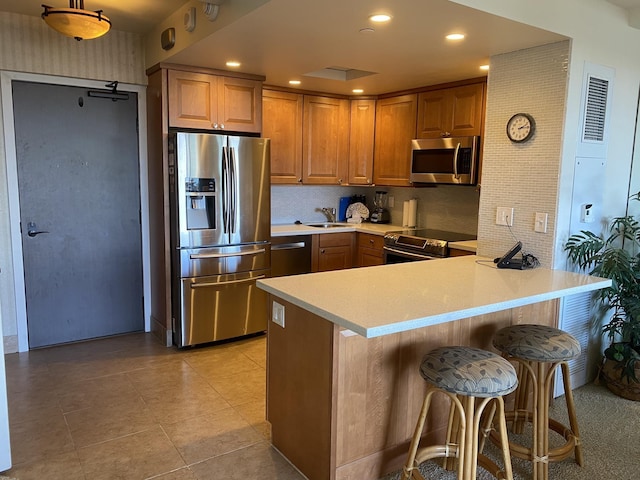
220, 231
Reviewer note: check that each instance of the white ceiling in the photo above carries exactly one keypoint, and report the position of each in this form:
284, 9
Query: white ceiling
284, 39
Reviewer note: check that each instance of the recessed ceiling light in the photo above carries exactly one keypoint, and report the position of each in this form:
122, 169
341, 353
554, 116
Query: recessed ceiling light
380, 18
233, 63
357, 90
455, 36
484, 67
367, 30
294, 82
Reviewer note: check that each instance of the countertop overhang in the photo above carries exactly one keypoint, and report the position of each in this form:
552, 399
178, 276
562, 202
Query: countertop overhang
387, 299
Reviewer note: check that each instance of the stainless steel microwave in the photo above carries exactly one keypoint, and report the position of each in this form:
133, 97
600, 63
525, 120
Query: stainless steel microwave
449, 160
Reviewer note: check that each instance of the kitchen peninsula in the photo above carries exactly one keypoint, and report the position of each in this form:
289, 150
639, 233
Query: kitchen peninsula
343, 388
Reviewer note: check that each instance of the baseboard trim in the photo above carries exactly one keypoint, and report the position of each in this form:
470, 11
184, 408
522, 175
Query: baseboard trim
10, 343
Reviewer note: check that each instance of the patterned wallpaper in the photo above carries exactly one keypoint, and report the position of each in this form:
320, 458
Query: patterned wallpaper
27, 44
523, 176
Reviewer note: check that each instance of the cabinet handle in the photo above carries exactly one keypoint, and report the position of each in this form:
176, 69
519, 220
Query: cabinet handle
299, 180
222, 126
339, 181
368, 180
214, 125
445, 134
322, 251
371, 242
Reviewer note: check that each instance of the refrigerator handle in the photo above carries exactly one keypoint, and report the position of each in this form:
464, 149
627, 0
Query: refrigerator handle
225, 189
233, 191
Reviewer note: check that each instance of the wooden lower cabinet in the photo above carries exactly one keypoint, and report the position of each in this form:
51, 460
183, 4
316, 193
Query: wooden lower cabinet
344, 407
369, 252
332, 251
456, 252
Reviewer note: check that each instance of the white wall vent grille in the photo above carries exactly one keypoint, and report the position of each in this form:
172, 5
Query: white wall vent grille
595, 109
595, 114
575, 319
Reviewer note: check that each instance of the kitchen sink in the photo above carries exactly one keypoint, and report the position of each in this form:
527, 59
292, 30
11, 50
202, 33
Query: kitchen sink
327, 225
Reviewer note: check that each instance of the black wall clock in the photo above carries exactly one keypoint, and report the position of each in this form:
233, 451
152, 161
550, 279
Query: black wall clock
520, 127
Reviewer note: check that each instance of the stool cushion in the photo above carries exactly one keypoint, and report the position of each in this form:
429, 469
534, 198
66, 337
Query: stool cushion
538, 343
469, 371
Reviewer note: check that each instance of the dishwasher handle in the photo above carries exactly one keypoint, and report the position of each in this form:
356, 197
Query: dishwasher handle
222, 284
288, 246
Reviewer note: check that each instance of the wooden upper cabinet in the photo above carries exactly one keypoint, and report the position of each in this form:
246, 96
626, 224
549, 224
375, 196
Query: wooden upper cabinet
325, 140
282, 123
192, 99
239, 104
395, 128
361, 135
455, 111
212, 102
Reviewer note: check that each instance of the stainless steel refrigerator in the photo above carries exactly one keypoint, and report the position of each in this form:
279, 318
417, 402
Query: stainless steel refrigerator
220, 235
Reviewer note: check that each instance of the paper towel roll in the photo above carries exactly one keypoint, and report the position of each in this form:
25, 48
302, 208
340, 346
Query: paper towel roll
405, 213
413, 212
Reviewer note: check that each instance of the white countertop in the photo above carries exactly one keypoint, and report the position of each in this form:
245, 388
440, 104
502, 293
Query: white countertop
386, 299
468, 245
302, 229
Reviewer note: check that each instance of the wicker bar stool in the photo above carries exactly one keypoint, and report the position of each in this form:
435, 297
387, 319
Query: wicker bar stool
472, 379
538, 351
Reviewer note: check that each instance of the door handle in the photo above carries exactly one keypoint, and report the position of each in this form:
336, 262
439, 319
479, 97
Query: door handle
32, 232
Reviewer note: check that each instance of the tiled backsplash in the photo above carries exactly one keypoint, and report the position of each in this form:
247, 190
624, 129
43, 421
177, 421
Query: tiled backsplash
451, 208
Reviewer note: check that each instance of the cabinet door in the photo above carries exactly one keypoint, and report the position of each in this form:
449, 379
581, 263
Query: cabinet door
239, 105
395, 128
332, 251
192, 100
468, 110
361, 134
369, 250
325, 140
282, 123
434, 115
456, 111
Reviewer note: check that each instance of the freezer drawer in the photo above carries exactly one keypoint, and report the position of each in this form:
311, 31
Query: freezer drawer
220, 307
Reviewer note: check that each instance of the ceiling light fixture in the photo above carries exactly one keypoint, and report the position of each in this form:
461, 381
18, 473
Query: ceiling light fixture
75, 21
294, 82
380, 17
455, 36
232, 64
484, 67
357, 90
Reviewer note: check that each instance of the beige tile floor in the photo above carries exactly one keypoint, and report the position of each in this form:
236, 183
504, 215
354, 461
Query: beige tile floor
127, 407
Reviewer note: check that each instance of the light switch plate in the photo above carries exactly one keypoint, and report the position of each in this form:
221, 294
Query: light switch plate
277, 314
541, 222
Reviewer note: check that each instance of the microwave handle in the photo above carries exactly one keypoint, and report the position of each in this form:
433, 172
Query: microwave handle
455, 161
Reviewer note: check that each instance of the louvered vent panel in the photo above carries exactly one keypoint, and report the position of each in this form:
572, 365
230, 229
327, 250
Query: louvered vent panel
596, 110
575, 319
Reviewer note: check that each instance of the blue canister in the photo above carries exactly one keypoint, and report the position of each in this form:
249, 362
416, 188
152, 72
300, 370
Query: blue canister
342, 209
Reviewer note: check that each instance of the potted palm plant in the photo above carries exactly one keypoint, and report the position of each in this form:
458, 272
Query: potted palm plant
616, 255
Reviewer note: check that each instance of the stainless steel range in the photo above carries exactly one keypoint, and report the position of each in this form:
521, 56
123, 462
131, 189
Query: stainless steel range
419, 244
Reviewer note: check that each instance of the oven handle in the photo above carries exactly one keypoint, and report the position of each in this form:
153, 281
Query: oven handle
404, 253
200, 256
219, 284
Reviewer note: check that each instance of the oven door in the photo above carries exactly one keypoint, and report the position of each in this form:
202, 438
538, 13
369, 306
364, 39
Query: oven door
394, 255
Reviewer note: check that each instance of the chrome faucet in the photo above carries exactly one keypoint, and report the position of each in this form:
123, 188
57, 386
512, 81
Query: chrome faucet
329, 212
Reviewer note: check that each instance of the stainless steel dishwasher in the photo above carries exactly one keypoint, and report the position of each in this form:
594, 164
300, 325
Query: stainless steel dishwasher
290, 255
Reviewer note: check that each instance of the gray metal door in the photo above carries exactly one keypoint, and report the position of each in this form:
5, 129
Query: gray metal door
77, 159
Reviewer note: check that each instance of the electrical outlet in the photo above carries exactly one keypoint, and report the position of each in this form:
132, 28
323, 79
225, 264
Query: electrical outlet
541, 222
277, 314
504, 216
392, 201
